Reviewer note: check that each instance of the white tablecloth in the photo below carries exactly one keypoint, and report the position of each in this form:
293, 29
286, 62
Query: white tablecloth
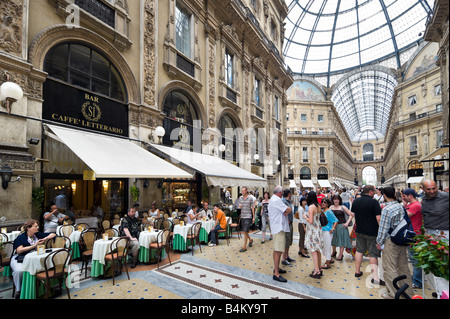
208, 225
34, 263
146, 238
101, 249
13, 235
91, 221
182, 230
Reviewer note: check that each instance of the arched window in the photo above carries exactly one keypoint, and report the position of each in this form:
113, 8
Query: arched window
305, 173
368, 153
179, 107
415, 165
228, 130
322, 171
83, 67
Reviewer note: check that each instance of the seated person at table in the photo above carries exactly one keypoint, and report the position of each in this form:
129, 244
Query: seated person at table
53, 219
154, 211
220, 224
25, 243
193, 214
71, 213
205, 211
130, 229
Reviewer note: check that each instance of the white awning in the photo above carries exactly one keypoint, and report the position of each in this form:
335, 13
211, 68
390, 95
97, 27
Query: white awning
217, 171
324, 183
307, 183
292, 184
438, 152
338, 184
114, 157
415, 180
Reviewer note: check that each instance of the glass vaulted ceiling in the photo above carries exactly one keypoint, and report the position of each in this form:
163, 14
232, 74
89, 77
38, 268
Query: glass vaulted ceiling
329, 39
330, 36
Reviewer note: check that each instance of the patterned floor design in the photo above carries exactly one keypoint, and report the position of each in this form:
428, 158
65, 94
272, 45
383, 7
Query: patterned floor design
226, 284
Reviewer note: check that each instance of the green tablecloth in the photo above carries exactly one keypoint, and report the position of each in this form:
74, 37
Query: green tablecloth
144, 256
6, 271
179, 243
28, 290
76, 252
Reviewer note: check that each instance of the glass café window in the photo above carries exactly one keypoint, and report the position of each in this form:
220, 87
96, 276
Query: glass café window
86, 68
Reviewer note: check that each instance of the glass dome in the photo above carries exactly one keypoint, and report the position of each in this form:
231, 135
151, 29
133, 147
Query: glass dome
325, 37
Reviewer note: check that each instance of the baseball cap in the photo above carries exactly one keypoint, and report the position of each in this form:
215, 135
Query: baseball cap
410, 191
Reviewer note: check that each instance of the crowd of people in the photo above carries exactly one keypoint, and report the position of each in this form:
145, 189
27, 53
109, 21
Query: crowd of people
368, 214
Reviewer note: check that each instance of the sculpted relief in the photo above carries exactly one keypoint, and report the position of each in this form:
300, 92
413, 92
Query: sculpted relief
11, 13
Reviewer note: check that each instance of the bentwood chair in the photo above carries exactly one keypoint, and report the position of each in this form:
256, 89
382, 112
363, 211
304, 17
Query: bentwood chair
119, 251
162, 242
116, 221
66, 230
168, 224
237, 227
60, 260
87, 239
158, 223
226, 231
193, 236
176, 221
110, 232
58, 242
83, 226
106, 224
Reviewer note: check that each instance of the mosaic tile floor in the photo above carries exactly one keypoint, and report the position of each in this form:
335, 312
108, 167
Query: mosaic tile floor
252, 269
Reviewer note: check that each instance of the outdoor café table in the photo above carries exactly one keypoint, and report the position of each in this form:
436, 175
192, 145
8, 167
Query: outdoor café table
33, 264
180, 236
145, 239
100, 250
12, 235
207, 226
74, 239
91, 221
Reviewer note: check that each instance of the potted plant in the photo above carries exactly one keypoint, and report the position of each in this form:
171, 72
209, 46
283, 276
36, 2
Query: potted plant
432, 255
38, 197
135, 193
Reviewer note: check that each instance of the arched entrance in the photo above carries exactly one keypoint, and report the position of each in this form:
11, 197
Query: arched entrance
369, 176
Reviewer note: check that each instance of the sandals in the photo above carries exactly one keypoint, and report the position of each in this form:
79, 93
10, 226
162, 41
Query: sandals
242, 250
250, 244
325, 267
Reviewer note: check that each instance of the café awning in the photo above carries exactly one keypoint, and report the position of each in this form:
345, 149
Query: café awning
307, 183
415, 180
292, 184
338, 184
114, 157
437, 152
217, 171
324, 183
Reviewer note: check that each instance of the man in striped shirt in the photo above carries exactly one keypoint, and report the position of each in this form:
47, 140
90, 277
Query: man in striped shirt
394, 257
247, 206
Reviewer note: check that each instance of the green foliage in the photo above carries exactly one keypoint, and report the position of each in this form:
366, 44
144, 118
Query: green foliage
38, 197
135, 193
431, 252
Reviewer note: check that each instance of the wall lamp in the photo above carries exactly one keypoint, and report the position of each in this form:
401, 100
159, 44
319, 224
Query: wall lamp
9, 94
160, 132
6, 174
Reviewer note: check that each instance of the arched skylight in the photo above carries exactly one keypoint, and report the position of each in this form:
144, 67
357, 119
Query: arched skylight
363, 101
325, 37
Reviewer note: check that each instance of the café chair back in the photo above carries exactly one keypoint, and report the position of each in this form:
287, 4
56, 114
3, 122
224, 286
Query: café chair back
106, 224
237, 227
3, 238
66, 230
226, 231
158, 223
6, 253
69, 222
168, 224
166, 215
110, 232
144, 215
87, 239
162, 242
60, 260
83, 226
116, 221
176, 221
180, 213
20, 228
193, 236
58, 242
119, 251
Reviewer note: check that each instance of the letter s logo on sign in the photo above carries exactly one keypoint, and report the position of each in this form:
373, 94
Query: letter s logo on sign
91, 112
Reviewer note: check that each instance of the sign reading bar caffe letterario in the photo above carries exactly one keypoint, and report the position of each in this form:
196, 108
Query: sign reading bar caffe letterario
76, 107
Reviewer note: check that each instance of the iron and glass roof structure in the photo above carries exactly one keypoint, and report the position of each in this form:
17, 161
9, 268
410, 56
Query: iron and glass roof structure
327, 39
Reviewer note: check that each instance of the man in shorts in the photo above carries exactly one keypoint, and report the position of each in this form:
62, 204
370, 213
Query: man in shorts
247, 207
279, 226
367, 212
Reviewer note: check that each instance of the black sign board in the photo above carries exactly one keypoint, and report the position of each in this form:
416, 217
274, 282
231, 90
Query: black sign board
80, 108
181, 135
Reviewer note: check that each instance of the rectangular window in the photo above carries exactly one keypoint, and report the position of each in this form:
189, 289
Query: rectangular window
322, 154
257, 92
304, 131
183, 31
412, 116
320, 118
439, 137
276, 110
229, 73
437, 90
320, 131
412, 100
439, 108
287, 117
303, 117
413, 143
305, 154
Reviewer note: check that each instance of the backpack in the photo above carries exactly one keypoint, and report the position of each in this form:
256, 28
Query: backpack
404, 233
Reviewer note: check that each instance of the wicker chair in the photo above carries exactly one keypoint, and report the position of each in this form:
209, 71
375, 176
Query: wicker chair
66, 230
162, 242
110, 232
193, 236
58, 242
116, 221
84, 226
119, 251
176, 221
60, 258
158, 223
106, 224
87, 239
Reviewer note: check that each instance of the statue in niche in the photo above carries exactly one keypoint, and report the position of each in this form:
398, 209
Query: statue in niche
9, 31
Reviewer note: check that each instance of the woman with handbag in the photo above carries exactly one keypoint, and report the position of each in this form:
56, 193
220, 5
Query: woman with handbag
341, 236
313, 237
